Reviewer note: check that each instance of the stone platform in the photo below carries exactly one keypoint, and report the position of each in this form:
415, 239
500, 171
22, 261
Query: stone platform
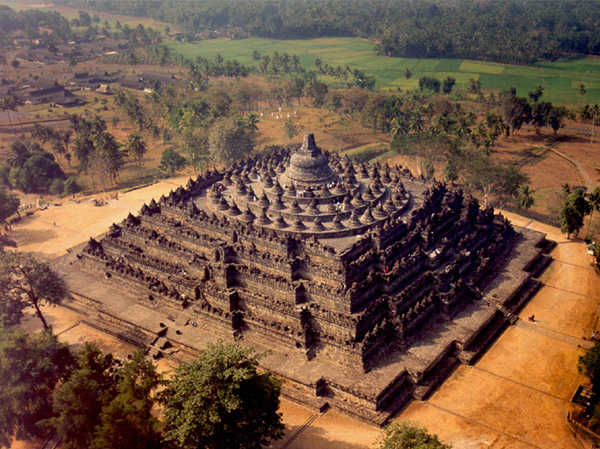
366, 285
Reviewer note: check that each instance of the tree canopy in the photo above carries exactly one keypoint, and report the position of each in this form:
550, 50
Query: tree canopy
26, 282
79, 401
503, 31
9, 204
30, 368
589, 365
229, 141
221, 401
127, 421
408, 435
573, 212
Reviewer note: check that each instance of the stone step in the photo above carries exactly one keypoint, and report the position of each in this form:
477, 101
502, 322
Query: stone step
154, 352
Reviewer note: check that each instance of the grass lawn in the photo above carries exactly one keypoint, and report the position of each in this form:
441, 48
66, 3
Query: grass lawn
560, 78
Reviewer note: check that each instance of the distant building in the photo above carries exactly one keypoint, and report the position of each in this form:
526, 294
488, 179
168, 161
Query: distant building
45, 90
91, 81
160, 77
131, 82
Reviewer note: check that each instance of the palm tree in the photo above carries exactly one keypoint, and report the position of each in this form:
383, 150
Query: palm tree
582, 91
67, 136
594, 201
256, 55
4, 106
12, 103
407, 73
251, 121
295, 63
75, 120
417, 124
136, 147
525, 200
319, 64
594, 112
399, 126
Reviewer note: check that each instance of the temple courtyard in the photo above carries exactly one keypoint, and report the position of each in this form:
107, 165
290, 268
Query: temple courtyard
517, 395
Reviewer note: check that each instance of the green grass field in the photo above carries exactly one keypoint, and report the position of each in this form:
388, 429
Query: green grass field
560, 79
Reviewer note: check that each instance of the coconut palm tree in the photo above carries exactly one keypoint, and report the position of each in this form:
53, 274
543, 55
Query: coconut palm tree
417, 124
136, 148
525, 199
399, 126
251, 121
594, 112
594, 201
67, 138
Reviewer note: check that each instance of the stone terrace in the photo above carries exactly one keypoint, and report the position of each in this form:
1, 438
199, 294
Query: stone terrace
367, 285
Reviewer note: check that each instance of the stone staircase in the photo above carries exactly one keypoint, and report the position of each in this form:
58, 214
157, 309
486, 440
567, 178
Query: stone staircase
511, 317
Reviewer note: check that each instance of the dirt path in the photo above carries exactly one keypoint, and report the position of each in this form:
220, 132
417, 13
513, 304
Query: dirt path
582, 172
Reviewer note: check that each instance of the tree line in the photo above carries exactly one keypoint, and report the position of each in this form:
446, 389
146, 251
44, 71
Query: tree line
503, 31
53, 28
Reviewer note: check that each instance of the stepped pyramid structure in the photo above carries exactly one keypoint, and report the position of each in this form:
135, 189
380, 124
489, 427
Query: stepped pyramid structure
367, 285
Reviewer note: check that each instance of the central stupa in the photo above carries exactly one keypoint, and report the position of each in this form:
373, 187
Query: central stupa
309, 167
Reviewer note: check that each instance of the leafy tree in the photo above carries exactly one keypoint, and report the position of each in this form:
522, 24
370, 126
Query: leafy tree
407, 73
127, 421
448, 84
9, 204
221, 401
474, 86
228, 141
290, 129
517, 112
57, 187
15, 63
79, 401
556, 117
536, 94
492, 178
26, 282
172, 161
408, 435
573, 213
316, 91
195, 146
429, 83
30, 368
71, 187
589, 365
32, 168
540, 115
85, 19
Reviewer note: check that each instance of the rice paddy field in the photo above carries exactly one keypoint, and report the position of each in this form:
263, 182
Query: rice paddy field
560, 79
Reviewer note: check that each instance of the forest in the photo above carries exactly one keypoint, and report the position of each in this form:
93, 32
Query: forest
502, 31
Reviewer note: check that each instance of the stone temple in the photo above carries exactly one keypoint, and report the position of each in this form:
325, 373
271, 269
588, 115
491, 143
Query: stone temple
367, 285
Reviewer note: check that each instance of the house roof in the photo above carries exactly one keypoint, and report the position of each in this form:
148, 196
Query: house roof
158, 76
45, 83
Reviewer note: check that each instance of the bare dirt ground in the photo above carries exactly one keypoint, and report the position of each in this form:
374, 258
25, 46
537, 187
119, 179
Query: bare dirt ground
516, 396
